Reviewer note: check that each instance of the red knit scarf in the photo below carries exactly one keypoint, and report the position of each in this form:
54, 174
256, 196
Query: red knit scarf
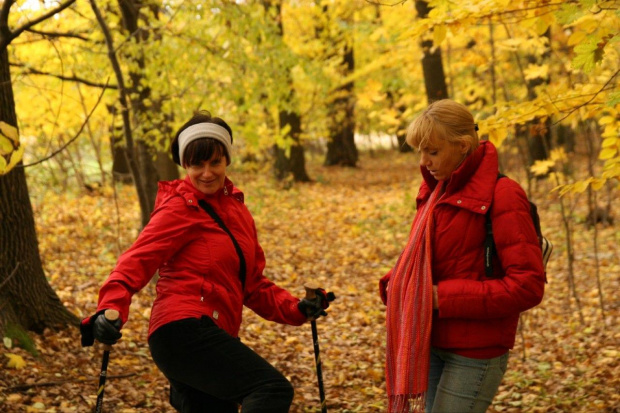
409, 316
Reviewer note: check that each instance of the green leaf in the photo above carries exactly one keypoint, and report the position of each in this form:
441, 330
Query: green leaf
587, 55
613, 99
568, 13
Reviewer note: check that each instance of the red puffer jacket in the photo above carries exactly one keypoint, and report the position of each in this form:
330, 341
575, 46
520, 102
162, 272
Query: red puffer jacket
197, 262
478, 316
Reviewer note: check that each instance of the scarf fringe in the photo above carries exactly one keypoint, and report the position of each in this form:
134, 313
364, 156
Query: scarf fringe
407, 403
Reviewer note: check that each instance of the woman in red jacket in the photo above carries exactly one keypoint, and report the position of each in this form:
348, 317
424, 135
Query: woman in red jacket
202, 239
449, 326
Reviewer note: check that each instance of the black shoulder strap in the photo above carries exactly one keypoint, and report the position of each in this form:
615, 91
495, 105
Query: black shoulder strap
209, 210
489, 242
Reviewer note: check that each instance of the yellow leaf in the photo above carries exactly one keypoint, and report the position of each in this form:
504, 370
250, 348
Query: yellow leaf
9, 131
605, 120
581, 186
608, 153
497, 135
576, 38
541, 167
2, 165
610, 142
541, 25
536, 71
15, 361
558, 154
597, 183
439, 34
6, 146
16, 156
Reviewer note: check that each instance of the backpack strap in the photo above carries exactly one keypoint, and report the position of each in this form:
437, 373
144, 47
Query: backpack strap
489, 243
209, 210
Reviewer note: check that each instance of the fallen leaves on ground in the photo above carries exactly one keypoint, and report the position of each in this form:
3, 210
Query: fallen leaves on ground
342, 232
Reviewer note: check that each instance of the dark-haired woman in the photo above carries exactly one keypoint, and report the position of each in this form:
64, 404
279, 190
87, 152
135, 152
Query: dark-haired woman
202, 239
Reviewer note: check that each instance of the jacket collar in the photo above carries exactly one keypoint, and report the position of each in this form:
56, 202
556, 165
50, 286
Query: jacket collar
472, 184
184, 188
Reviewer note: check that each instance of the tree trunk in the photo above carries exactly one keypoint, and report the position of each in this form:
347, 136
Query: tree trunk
26, 298
297, 160
132, 13
432, 66
341, 149
289, 119
539, 142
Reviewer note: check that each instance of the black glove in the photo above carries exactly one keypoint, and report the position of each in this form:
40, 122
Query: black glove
106, 331
315, 307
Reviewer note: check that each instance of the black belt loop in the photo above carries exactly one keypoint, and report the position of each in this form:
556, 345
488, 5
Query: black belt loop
209, 210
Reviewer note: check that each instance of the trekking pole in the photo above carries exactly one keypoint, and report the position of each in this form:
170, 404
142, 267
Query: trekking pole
110, 315
311, 295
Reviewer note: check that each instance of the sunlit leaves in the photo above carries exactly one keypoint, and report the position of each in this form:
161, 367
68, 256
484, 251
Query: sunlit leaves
536, 72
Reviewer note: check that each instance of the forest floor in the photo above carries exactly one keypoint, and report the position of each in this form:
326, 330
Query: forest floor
343, 232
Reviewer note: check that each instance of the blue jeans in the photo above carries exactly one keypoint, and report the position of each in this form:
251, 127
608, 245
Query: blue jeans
210, 371
458, 384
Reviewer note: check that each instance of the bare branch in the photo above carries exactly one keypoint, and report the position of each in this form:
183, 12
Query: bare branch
70, 140
32, 71
5, 33
38, 20
589, 101
56, 35
378, 3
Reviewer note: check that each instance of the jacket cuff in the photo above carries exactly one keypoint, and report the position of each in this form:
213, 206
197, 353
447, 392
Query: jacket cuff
383, 284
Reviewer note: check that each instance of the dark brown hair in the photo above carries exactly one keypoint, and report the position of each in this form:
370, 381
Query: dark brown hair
200, 149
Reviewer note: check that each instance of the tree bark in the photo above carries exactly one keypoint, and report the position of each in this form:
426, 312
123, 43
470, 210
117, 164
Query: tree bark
297, 161
341, 149
295, 164
539, 142
432, 66
154, 164
26, 298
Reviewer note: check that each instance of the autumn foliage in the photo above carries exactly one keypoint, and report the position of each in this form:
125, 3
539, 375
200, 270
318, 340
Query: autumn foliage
344, 231
79, 78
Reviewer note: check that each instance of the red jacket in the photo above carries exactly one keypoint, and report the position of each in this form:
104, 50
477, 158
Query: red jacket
478, 316
197, 262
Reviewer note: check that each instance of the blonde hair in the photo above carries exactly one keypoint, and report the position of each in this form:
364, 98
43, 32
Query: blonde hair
443, 119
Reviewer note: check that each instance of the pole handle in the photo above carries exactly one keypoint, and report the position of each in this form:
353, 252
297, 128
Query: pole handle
310, 291
111, 315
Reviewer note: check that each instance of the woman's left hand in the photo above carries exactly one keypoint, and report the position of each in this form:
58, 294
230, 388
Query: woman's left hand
315, 307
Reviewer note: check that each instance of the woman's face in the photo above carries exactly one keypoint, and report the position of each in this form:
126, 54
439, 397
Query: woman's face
441, 157
208, 176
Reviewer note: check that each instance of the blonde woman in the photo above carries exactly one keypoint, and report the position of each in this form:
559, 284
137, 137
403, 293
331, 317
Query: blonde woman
450, 326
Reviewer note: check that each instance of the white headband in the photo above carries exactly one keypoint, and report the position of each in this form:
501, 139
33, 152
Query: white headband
205, 130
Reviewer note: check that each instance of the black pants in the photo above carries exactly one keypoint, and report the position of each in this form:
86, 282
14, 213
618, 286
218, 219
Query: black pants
212, 372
